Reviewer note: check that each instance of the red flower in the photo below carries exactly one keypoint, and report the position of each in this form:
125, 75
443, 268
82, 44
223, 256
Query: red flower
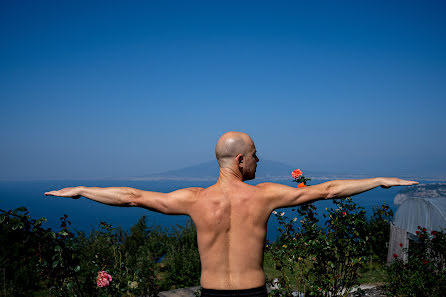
296, 173
434, 232
425, 261
301, 185
319, 289
103, 279
419, 227
418, 232
401, 245
395, 256
344, 214
424, 230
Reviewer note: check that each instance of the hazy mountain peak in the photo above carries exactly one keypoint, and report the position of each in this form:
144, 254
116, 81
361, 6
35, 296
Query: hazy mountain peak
209, 171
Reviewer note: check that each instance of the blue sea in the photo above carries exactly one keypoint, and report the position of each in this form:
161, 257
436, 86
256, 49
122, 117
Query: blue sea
85, 214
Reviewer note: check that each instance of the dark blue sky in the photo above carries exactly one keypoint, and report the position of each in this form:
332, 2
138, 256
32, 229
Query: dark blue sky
121, 88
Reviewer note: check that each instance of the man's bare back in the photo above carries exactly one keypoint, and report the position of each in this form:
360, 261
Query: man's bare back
231, 233
230, 216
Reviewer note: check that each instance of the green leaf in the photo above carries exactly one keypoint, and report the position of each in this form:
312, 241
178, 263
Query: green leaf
41, 220
77, 268
70, 285
15, 225
55, 263
19, 209
2, 218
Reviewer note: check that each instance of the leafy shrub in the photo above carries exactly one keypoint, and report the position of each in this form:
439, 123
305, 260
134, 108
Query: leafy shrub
18, 260
324, 261
33, 258
424, 273
379, 232
183, 267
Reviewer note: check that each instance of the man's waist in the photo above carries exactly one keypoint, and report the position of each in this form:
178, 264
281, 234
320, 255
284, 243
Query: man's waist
234, 280
251, 292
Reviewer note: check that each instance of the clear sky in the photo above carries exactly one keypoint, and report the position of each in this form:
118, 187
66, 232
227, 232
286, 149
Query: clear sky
124, 88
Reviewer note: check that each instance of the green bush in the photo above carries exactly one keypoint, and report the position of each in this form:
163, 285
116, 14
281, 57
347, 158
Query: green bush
61, 263
183, 267
18, 257
424, 273
379, 230
325, 261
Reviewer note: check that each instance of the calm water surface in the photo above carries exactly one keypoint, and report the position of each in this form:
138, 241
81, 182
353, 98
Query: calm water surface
86, 214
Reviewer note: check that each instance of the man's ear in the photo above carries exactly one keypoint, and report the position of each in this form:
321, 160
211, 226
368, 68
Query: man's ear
239, 158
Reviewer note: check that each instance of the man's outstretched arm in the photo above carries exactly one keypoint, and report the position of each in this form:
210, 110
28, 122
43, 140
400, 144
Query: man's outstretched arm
177, 202
284, 196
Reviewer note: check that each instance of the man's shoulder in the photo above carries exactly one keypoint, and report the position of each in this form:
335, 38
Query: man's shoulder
266, 185
274, 189
194, 190
268, 188
191, 192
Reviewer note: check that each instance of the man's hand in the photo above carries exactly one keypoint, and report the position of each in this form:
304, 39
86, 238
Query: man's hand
66, 192
387, 182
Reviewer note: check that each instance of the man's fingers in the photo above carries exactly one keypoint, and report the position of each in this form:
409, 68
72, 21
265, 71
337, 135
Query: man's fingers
55, 193
65, 192
410, 182
398, 182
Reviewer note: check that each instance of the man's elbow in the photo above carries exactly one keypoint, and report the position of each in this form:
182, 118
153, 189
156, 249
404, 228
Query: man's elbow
158, 203
133, 198
331, 191
331, 195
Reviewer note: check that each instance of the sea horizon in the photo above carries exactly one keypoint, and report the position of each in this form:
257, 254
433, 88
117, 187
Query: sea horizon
86, 215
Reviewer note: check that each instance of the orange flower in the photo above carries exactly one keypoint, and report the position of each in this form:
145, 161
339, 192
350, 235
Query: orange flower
296, 173
344, 213
301, 185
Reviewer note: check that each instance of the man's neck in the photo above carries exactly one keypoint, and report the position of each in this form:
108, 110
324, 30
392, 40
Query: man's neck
228, 174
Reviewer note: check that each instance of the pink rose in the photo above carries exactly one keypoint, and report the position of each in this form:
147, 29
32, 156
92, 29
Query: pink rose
296, 173
103, 279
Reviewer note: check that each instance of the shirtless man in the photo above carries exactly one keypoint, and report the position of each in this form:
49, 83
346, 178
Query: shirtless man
231, 216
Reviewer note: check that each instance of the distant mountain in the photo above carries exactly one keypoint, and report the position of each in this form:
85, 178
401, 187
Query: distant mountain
266, 170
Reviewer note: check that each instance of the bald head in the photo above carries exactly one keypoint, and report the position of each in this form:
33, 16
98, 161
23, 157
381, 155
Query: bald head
230, 145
